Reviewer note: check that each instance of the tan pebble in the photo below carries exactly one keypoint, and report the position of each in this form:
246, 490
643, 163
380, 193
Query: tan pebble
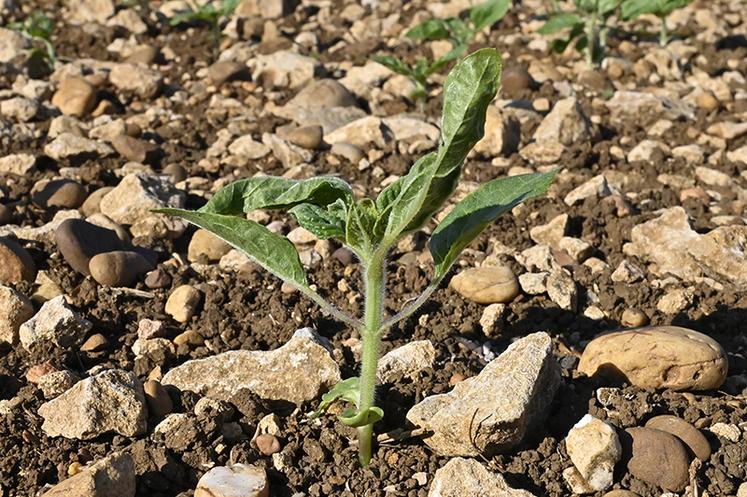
95, 343
456, 378
621, 493
650, 449
683, 430
267, 444
74, 468
487, 285
634, 318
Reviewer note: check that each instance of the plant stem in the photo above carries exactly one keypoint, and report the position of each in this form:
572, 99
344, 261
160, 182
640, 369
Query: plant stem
664, 33
374, 283
591, 39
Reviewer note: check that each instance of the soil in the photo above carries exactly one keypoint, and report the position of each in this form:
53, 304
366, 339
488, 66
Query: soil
247, 311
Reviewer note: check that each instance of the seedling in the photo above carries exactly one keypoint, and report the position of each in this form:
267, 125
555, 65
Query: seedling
207, 13
587, 25
632, 9
370, 227
38, 27
460, 33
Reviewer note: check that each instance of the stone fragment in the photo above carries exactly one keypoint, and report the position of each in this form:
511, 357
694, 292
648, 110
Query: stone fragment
509, 396
90, 11
361, 133
514, 80
595, 187
21, 109
12, 44
534, 283
159, 402
237, 480
17, 164
657, 357
75, 97
462, 477
111, 401
648, 448
137, 194
645, 107
135, 149
491, 318
136, 78
687, 433
672, 247
119, 268
487, 284
79, 241
728, 431
56, 383
16, 309
565, 124
502, 134
183, 302
283, 69
67, 145
550, 233
562, 289
205, 244
113, 476
225, 70
594, 449
266, 9
627, 272
247, 148
298, 371
59, 193
621, 493
406, 361
728, 130
308, 137
56, 323
634, 318
16, 264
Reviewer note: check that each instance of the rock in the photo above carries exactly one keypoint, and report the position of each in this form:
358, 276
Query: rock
283, 69
649, 448
59, 193
75, 97
182, 303
730, 432
627, 272
21, 109
308, 137
16, 264
565, 124
56, 383
634, 318
712, 177
91, 204
728, 130
673, 248
159, 402
12, 44
246, 148
562, 289
595, 187
142, 55
687, 433
621, 493
491, 318
95, 343
132, 22
237, 480
79, 241
509, 396
534, 283
594, 449
55, 322
657, 357
290, 155
17, 164
738, 156
514, 80
111, 401
119, 268
361, 133
462, 477
205, 244
348, 151
406, 361
67, 146
502, 134
487, 284
644, 151
675, 301
226, 70
137, 194
134, 149
113, 476
136, 78
93, 11
267, 444
625, 105
16, 310
321, 94
297, 372
550, 233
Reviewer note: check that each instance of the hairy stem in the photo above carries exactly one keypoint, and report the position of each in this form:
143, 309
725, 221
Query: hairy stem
374, 283
591, 39
329, 308
664, 33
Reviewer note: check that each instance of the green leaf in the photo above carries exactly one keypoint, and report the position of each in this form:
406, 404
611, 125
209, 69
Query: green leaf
393, 64
348, 390
356, 419
432, 29
460, 31
273, 252
489, 13
273, 192
228, 6
410, 201
559, 23
453, 54
470, 216
605, 7
323, 222
360, 234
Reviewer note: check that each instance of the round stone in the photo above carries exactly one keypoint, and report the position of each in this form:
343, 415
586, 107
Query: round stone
15, 263
159, 402
621, 493
267, 444
205, 244
347, 151
91, 204
95, 343
6, 214
182, 303
487, 285
658, 457
691, 436
75, 97
78, 241
309, 137
119, 268
157, 278
237, 480
176, 172
657, 357
515, 79
60, 193
633, 318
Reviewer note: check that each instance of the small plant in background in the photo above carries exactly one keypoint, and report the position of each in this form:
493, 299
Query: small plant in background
371, 227
459, 32
631, 9
587, 25
39, 28
208, 13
